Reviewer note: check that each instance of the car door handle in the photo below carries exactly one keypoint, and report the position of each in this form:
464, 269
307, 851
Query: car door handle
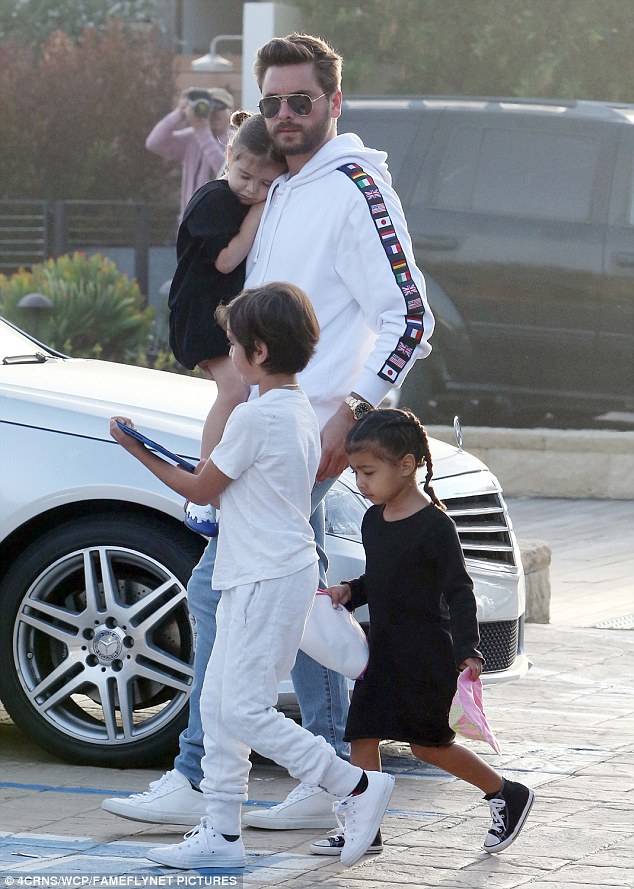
625, 260
437, 242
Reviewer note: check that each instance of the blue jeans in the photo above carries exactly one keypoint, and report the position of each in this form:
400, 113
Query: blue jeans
321, 694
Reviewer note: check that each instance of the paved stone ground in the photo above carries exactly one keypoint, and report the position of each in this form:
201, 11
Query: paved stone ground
592, 568
567, 730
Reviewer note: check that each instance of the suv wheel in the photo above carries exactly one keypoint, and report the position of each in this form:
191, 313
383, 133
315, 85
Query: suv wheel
96, 645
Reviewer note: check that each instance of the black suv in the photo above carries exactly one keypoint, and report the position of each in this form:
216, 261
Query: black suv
522, 217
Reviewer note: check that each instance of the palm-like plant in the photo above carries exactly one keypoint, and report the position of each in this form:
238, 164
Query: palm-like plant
97, 311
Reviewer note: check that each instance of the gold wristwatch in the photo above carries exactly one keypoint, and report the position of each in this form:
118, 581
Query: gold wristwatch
358, 407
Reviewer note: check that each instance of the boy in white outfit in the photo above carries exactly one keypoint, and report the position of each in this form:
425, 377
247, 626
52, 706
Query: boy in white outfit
261, 474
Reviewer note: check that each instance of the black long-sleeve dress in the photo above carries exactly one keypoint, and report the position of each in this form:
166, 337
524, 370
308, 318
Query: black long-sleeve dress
423, 624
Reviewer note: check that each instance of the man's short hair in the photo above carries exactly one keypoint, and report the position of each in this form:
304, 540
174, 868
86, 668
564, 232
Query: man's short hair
297, 49
281, 316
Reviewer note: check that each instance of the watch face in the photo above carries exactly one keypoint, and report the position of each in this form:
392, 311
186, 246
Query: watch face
359, 408
362, 409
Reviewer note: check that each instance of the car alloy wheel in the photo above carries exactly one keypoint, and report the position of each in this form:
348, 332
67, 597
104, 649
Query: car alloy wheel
97, 646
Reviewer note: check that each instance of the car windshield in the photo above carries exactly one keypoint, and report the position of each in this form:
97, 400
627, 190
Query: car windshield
16, 346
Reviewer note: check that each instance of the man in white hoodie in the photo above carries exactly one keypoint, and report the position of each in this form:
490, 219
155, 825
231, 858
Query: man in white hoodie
334, 226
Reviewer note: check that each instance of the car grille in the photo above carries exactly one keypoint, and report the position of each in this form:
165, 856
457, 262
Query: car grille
499, 644
483, 528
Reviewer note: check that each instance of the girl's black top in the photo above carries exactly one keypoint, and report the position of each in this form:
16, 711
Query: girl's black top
212, 218
423, 624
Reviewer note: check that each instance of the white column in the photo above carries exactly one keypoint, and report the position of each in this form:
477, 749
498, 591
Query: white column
261, 22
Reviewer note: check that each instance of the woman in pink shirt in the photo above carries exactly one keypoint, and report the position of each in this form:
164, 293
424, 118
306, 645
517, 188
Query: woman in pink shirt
199, 143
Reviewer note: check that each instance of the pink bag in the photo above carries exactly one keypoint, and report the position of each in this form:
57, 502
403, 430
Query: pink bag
466, 715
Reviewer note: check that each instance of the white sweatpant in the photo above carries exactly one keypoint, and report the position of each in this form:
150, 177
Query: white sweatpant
259, 629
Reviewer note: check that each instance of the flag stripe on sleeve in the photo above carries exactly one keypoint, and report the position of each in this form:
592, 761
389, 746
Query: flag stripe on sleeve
412, 298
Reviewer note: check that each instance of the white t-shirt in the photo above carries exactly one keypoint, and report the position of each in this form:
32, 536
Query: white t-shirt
271, 448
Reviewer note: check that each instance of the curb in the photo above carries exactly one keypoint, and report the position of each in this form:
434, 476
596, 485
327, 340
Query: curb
536, 556
575, 464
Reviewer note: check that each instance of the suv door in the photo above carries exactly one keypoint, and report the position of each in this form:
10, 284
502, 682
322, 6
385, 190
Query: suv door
508, 215
616, 327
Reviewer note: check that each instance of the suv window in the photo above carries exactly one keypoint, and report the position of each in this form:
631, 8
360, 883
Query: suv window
390, 130
517, 172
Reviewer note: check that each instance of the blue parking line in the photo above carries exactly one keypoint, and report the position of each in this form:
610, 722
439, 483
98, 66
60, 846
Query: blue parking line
50, 788
27, 860
99, 791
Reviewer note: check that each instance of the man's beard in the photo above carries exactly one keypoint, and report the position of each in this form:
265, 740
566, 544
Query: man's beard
310, 141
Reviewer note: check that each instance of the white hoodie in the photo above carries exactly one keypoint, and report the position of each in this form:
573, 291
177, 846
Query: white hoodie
318, 232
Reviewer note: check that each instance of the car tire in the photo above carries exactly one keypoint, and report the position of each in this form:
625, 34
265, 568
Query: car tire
96, 644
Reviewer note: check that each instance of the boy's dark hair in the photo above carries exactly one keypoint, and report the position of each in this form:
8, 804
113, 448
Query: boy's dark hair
297, 49
251, 134
390, 434
281, 316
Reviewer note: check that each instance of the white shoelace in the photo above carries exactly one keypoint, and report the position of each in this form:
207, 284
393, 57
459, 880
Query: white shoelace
497, 806
204, 822
300, 792
154, 787
341, 806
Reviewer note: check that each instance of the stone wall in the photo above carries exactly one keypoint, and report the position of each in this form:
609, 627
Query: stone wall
593, 464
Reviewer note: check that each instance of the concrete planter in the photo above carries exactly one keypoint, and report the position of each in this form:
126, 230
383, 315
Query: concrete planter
582, 464
536, 556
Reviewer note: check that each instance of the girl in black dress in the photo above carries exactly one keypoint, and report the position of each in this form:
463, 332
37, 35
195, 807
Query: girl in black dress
423, 624
218, 229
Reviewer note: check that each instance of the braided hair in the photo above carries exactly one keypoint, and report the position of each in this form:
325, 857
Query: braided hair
390, 434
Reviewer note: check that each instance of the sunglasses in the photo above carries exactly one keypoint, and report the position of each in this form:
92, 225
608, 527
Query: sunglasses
298, 103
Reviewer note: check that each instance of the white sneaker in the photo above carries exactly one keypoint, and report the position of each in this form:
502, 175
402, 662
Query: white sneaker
363, 814
306, 806
202, 519
201, 847
170, 800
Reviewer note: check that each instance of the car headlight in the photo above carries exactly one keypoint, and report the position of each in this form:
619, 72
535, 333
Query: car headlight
344, 512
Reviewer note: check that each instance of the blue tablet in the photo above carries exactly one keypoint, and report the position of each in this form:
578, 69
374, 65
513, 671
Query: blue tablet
155, 446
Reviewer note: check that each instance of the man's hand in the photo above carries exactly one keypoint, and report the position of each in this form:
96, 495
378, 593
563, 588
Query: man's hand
333, 457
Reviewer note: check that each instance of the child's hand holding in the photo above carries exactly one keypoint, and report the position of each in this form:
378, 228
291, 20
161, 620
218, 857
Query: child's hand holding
133, 445
340, 594
475, 666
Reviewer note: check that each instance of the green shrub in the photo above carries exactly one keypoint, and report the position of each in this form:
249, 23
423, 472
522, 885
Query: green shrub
160, 357
98, 312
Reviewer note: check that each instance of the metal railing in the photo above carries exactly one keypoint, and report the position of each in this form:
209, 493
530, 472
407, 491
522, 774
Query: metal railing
32, 231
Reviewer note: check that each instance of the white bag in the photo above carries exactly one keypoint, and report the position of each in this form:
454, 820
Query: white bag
334, 638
